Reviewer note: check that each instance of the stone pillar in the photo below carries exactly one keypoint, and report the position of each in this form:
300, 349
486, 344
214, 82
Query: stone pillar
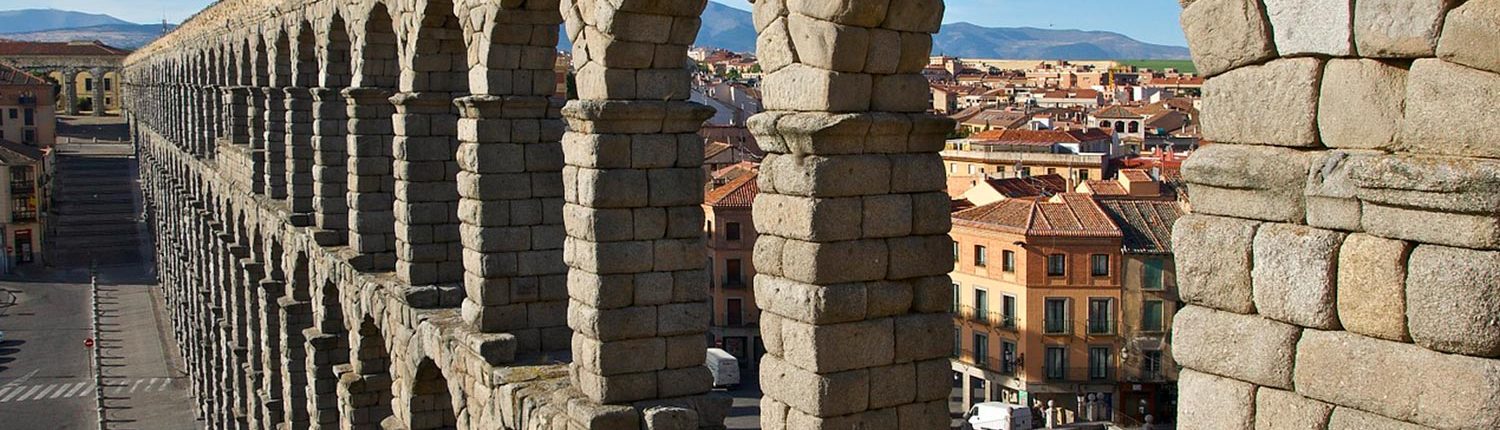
70, 92
275, 142
852, 217
330, 167
209, 98
372, 187
426, 206
324, 353
272, 380
299, 155
510, 182
633, 186
236, 115
257, 121
296, 316
99, 105
1345, 220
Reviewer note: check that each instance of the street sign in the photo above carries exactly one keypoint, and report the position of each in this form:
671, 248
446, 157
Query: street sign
88, 343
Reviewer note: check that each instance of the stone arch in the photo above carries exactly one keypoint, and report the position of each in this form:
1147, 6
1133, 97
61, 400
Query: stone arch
429, 404
364, 391
371, 184
425, 145
299, 123
330, 142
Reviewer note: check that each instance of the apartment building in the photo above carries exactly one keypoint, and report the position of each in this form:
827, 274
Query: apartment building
22, 170
730, 247
1037, 298
26, 108
1148, 374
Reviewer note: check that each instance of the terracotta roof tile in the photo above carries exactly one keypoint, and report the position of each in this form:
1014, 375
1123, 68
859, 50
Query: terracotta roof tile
737, 193
1035, 186
13, 76
1147, 224
1071, 214
1107, 188
18, 48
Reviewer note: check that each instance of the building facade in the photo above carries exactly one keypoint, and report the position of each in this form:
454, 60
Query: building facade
87, 71
23, 206
730, 240
1037, 293
26, 108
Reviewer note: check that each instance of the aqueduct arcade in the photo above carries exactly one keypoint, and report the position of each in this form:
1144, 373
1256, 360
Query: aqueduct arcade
376, 214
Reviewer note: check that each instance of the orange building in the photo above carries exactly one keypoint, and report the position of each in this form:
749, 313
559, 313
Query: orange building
731, 243
26, 108
1037, 294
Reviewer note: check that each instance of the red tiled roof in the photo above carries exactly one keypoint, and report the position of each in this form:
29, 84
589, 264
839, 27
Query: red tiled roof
1041, 137
13, 76
1107, 188
1035, 186
19, 48
1070, 214
738, 193
1116, 111
1135, 175
711, 149
1147, 225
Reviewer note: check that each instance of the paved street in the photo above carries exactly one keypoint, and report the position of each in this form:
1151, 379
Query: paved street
45, 370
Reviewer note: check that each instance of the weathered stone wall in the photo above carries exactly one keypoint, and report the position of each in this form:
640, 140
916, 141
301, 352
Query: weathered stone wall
374, 214
1343, 264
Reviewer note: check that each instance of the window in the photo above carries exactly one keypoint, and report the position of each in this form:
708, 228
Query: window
1008, 310
981, 304
708, 231
1056, 365
981, 348
735, 312
1101, 316
30, 117
107, 84
88, 84
1007, 357
955, 251
732, 275
1151, 315
955, 297
1135, 127
13, 114
731, 231
1099, 264
1083, 175
1057, 265
1151, 364
1152, 274
980, 259
28, 136
1055, 315
1098, 362
971, 169
1025, 172
952, 167
1051, 171
1008, 261
958, 342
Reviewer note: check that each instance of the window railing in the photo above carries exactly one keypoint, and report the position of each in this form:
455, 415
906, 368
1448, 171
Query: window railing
23, 215
22, 187
1078, 374
1057, 326
1101, 327
988, 362
1003, 322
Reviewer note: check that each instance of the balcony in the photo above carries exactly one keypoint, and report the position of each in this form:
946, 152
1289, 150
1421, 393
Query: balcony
1079, 374
993, 320
1057, 327
1101, 327
26, 100
23, 216
988, 362
18, 188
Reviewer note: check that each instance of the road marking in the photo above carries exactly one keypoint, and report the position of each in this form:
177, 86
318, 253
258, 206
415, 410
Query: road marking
68, 390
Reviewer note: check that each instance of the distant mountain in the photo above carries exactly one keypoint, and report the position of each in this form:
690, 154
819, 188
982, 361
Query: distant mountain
962, 39
30, 20
128, 36
733, 29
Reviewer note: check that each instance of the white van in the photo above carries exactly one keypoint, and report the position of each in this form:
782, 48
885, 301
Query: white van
724, 367
998, 416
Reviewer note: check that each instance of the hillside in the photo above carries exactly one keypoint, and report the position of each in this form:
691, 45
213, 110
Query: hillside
29, 20
127, 36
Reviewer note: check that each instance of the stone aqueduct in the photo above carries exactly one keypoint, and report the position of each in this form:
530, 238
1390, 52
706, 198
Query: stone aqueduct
371, 214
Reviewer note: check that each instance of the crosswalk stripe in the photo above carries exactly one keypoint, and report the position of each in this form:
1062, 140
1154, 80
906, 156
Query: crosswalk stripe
60, 390
5, 390
13, 393
80, 389
45, 390
33, 389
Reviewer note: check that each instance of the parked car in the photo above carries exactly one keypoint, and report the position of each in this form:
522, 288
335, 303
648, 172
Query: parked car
724, 367
997, 416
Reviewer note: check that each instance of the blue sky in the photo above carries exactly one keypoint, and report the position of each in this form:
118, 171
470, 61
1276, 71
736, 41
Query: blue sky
1153, 21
